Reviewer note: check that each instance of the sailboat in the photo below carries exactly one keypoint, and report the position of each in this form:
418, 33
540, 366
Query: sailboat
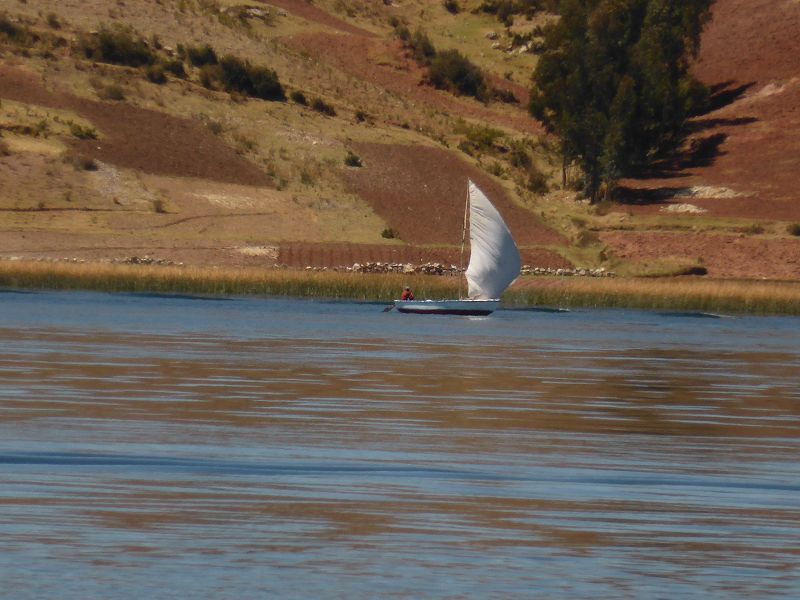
494, 263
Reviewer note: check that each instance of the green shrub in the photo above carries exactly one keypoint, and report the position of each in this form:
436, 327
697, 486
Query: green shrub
422, 47
319, 105
419, 43
299, 97
175, 67
518, 156
265, 84
536, 181
117, 45
496, 169
452, 70
506, 96
156, 74
199, 56
17, 34
52, 21
209, 74
400, 30
794, 229
452, 7
753, 229
233, 74
81, 132
352, 160
113, 91
237, 75
214, 127
389, 233
42, 128
244, 144
481, 138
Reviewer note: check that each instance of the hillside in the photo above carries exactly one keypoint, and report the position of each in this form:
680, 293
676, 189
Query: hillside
102, 161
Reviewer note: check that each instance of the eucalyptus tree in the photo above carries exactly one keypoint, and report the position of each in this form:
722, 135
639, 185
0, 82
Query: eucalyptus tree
614, 82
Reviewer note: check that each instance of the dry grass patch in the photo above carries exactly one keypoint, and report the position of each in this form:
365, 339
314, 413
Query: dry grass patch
669, 266
30, 120
229, 282
680, 294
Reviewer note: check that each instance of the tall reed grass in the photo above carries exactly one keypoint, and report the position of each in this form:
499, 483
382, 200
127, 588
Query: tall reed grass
676, 294
673, 294
220, 281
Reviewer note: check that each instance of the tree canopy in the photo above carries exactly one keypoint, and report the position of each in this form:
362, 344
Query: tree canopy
613, 82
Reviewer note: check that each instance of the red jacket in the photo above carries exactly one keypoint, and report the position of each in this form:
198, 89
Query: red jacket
407, 295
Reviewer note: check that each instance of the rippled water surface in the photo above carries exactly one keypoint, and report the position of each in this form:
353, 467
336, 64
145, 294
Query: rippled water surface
169, 447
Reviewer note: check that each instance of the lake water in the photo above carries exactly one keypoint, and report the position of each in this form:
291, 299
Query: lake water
168, 447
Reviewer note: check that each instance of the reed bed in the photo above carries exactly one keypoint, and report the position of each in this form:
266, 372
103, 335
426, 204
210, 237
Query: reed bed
106, 277
675, 294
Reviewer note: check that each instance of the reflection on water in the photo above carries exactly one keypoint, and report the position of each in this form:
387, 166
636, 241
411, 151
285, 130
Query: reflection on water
166, 447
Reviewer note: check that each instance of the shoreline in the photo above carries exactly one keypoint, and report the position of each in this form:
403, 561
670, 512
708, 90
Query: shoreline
753, 297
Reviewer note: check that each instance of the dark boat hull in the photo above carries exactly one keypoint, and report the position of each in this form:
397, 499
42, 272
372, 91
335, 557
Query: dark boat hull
476, 308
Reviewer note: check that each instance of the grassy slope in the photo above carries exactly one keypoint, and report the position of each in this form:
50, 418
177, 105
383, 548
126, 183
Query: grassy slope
300, 150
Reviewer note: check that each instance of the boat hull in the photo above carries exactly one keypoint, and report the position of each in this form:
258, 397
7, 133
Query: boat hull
447, 307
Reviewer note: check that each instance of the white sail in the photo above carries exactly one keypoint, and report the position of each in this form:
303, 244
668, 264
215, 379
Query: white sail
494, 259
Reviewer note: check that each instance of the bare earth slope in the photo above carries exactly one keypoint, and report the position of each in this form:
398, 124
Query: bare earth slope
421, 190
749, 145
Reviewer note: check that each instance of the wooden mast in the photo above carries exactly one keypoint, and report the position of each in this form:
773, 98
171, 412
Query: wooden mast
463, 240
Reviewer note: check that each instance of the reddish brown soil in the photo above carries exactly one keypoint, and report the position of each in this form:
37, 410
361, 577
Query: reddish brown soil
733, 256
420, 192
750, 56
751, 40
138, 138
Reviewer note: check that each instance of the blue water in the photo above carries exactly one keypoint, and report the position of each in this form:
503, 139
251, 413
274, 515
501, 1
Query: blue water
176, 447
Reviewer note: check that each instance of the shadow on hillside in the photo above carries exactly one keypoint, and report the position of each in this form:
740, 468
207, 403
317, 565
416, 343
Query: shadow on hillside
725, 93
636, 196
697, 125
698, 150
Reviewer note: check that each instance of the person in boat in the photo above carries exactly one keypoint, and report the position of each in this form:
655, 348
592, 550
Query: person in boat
407, 294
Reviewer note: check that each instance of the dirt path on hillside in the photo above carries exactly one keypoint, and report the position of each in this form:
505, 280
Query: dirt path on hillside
138, 138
